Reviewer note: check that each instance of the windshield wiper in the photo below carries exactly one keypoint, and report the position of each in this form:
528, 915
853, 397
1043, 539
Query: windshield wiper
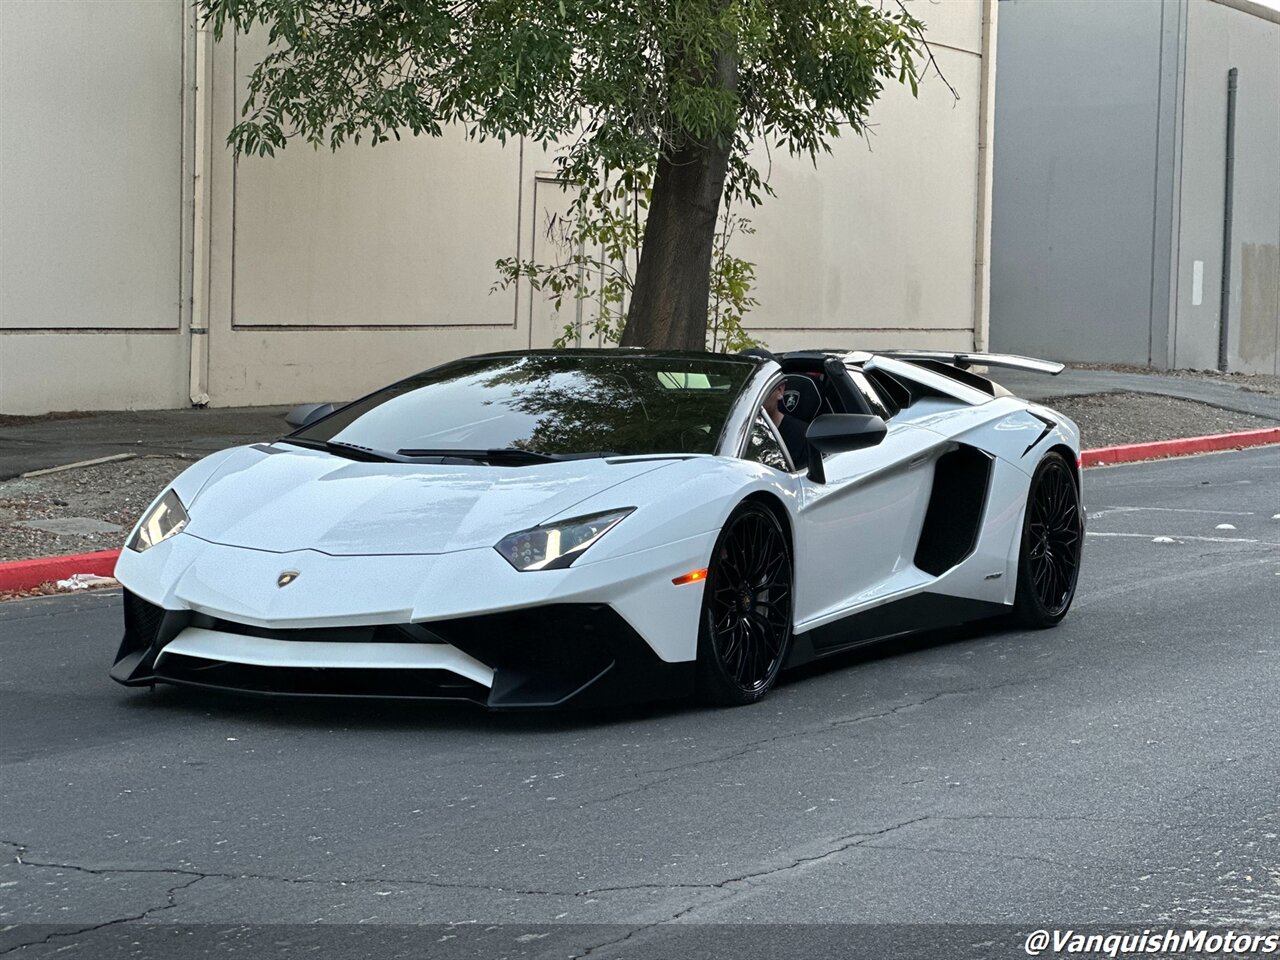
504, 455
351, 451
509, 456
500, 455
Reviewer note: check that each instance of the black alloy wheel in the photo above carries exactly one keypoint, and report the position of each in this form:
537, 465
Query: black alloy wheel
746, 608
1052, 539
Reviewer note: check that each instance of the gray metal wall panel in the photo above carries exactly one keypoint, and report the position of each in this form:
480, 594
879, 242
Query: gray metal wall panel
1077, 113
1220, 37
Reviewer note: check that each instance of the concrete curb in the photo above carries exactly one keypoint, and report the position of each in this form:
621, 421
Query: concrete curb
24, 574
1136, 452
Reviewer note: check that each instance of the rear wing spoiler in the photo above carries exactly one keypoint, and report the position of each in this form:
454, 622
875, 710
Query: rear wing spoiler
966, 360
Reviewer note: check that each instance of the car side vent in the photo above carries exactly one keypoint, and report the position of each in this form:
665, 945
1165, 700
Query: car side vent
961, 480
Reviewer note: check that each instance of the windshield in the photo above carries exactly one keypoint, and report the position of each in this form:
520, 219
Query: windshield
555, 404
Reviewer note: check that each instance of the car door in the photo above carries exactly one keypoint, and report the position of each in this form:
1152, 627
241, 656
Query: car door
856, 532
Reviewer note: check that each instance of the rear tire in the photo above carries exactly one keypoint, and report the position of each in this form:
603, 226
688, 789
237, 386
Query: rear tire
745, 629
1052, 539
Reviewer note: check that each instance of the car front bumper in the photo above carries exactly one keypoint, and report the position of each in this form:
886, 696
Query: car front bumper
450, 626
572, 654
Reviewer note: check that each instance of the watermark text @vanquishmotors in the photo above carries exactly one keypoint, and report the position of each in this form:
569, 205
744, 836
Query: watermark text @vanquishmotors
1163, 942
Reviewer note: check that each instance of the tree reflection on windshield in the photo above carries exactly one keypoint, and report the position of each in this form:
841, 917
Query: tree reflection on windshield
553, 403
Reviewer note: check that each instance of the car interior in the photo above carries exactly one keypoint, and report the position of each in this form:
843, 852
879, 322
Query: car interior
817, 383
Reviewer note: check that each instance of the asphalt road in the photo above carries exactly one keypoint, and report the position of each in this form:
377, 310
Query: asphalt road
1118, 770
37, 443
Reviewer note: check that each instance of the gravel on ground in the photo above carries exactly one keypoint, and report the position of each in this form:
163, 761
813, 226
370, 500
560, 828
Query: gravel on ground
1253, 382
92, 508
1110, 419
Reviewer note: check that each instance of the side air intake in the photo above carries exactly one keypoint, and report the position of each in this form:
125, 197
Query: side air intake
959, 498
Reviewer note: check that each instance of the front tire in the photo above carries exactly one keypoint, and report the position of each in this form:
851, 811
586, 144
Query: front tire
1052, 538
745, 629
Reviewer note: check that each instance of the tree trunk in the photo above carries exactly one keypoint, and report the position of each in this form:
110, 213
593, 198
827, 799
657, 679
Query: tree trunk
669, 301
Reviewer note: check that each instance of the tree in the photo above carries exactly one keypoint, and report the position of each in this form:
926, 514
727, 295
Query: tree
676, 91
591, 273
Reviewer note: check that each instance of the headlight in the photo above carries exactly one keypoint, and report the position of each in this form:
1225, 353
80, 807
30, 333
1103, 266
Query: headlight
557, 544
164, 520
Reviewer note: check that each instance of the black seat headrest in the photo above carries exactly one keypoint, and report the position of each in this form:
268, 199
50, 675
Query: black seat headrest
801, 397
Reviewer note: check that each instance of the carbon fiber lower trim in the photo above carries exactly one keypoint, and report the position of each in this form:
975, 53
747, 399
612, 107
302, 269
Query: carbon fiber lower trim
915, 614
551, 656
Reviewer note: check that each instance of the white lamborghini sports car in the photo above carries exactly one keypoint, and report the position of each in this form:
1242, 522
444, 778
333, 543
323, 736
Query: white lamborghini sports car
592, 526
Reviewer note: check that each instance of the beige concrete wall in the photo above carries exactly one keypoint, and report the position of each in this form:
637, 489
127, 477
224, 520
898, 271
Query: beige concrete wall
318, 276
876, 246
334, 273
92, 267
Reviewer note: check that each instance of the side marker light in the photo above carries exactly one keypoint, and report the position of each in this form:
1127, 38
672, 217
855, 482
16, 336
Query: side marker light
693, 576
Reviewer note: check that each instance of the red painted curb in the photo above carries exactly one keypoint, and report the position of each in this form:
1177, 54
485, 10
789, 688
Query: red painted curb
1135, 452
22, 574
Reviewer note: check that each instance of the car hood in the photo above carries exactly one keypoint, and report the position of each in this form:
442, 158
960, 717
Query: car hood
283, 498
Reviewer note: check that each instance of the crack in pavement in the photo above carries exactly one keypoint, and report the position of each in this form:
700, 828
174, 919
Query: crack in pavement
729, 883
316, 881
756, 745
842, 844
171, 901
846, 843
21, 860
747, 880
374, 881
732, 886
634, 931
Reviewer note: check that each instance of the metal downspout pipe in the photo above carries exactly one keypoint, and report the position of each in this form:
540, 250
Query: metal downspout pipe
982, 226
1224, 303
200, 236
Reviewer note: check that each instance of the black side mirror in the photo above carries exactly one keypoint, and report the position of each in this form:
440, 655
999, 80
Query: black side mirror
840, 433
305, 413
